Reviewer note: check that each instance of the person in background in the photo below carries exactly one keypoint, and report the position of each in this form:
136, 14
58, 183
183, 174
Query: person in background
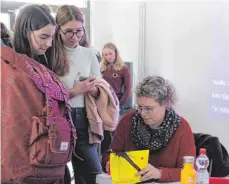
155, 126
116, 73
5, 36
77, 67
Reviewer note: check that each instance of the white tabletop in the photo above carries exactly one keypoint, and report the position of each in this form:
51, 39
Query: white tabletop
106, 179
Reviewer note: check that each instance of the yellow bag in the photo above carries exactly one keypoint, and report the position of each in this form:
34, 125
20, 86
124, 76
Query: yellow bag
122, 172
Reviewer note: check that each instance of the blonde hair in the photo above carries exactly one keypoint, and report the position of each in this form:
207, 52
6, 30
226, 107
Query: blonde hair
118, 63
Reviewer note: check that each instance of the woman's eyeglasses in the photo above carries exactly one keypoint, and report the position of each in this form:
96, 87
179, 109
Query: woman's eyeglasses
146, 109
70, 34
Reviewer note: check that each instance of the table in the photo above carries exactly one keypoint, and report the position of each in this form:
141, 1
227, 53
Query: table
106, 179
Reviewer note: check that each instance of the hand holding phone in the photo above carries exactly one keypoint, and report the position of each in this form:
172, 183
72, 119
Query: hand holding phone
83, 78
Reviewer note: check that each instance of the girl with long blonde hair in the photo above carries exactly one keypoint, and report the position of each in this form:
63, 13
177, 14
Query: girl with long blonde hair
117, 74
115, 62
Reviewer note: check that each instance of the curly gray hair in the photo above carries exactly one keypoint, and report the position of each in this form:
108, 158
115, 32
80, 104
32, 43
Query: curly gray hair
158, 88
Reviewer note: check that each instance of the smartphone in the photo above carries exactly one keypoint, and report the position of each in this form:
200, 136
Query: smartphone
82, 78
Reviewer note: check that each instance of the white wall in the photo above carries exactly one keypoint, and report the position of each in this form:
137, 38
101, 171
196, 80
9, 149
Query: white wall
177, 40
180, 38
118, 22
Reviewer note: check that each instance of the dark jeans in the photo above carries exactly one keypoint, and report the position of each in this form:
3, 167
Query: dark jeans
84, 171
108, 136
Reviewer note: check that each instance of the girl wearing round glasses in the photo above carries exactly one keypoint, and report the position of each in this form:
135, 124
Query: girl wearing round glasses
155, 126
73, 64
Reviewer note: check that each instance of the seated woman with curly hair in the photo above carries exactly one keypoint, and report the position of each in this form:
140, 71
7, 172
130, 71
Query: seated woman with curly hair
155, 126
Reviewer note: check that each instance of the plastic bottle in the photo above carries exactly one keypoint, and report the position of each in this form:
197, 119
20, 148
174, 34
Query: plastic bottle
188, 173
202, 162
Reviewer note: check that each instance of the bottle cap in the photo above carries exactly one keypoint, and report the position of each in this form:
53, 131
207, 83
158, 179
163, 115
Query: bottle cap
203, 151
189, 159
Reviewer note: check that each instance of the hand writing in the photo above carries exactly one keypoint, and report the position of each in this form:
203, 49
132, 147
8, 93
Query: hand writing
150, 172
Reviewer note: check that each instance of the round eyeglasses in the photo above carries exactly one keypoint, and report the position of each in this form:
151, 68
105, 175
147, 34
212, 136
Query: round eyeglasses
70, 34
146, 109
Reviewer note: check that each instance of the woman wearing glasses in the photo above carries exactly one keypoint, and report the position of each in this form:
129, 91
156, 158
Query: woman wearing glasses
155, 126
73, 61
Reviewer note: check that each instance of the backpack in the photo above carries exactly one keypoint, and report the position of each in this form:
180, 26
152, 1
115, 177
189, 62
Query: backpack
38, 136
